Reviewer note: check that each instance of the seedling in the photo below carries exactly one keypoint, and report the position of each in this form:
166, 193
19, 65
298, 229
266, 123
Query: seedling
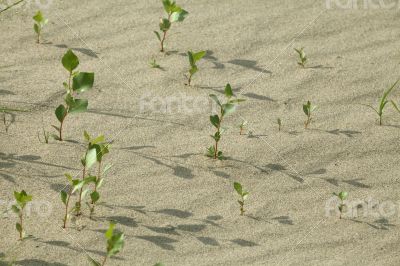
153, 64
216, 120
40, 22
308, 109
242, 126
175, 14
302, 57
243, 196
115, 243
4, 111
193, 58
75, 185
384, 101
22, 199
342, 196
46, 136
279, 124
78, 82
97, 143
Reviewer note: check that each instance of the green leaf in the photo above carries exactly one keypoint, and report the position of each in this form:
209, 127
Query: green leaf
210, 151
343, 195
78, 184
94, 196
167, 5
110, 231
98, 139
228, 108
69, 177
158, 35
91, 158
70, 61
238, 188
199, 55
215, 120
38, 17
15, 209
61, 113
36, 28
18, 227
215, 98
165, 24
115, 244
191, 58
86, 136
76, 105
228, 91
64, 196
82, 82
179, 16
193, 70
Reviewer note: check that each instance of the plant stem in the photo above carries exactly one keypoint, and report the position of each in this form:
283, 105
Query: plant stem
162, 41
80, 193
380, 120
21, 223
66, 210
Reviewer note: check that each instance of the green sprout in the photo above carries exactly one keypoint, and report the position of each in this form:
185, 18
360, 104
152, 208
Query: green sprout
308, 109
384, 101
75, 185
302, 56
243, 196
153, 64
40, 22
342, 196
22, 199
97, 143
175, 14
115, 243
78, 82
216, 120
242, 127
279, 124
4, 111
193, 58
46, 136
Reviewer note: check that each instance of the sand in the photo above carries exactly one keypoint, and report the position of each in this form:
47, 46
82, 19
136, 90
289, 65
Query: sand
175, 205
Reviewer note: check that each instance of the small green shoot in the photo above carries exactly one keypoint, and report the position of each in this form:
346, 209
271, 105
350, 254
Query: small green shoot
302, 57
40, 22
115, 243
193, 59
242, 127
308, 109
175, 14
342, 196
78, 82
22, 199
153, 64
243, 196
383, 102
46, 136
216, 120
279, 124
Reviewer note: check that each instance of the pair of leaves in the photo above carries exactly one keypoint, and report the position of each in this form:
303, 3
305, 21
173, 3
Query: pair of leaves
176, 13
342, 195
76, 105
239, 189
308, 108
115, 241
22, 198
195, 57
211, 153
40, 19
302, 55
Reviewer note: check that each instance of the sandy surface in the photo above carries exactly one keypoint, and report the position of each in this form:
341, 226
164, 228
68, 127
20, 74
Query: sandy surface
174, 204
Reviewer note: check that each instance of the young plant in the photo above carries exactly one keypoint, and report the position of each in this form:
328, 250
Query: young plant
40, 22
75, 185
78, 82
102, 148
242, 126
193, 58
153, 64
115, 243
302, 57
175, 14
342, 196
243, 196
46, 136
279, 124
22, 199
308, 109
216, 120
384, 101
